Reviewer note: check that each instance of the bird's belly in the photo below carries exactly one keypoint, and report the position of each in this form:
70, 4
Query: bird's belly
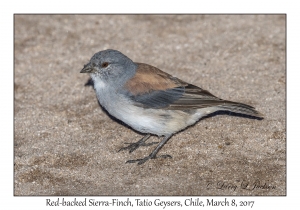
160, 122
123, 109
155, 121
144, 120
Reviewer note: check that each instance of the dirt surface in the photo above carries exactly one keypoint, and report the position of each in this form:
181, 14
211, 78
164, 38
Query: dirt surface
65, 144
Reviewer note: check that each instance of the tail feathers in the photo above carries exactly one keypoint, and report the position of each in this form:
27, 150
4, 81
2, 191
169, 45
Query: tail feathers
241, 109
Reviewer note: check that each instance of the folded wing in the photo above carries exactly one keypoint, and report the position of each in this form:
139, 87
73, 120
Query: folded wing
152, 88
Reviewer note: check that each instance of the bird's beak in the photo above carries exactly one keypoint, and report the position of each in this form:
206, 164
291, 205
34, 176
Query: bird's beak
88, 68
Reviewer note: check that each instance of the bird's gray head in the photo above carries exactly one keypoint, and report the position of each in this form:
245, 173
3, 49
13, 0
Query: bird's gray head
110, 66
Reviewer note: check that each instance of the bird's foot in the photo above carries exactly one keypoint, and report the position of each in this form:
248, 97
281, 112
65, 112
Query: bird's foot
133, 146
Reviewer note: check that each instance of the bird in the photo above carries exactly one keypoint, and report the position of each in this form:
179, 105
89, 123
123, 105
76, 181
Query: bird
152, 101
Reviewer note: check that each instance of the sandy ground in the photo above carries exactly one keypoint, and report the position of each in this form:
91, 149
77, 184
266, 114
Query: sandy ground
65, 144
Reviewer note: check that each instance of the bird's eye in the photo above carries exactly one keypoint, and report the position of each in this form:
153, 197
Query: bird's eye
104, 65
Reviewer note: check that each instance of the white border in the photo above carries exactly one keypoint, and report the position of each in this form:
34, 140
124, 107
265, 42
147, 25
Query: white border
186, 6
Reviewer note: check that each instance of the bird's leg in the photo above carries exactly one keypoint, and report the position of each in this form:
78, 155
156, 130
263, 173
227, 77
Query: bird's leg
133, 146
153, 154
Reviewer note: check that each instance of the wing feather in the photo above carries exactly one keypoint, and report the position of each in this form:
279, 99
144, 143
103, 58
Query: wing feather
155, 89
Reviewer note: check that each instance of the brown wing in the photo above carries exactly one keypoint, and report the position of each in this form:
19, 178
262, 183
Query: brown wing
149, 78
153, 88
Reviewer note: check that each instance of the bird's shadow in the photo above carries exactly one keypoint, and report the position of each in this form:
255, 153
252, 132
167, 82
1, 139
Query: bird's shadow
91, 83
222, 112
